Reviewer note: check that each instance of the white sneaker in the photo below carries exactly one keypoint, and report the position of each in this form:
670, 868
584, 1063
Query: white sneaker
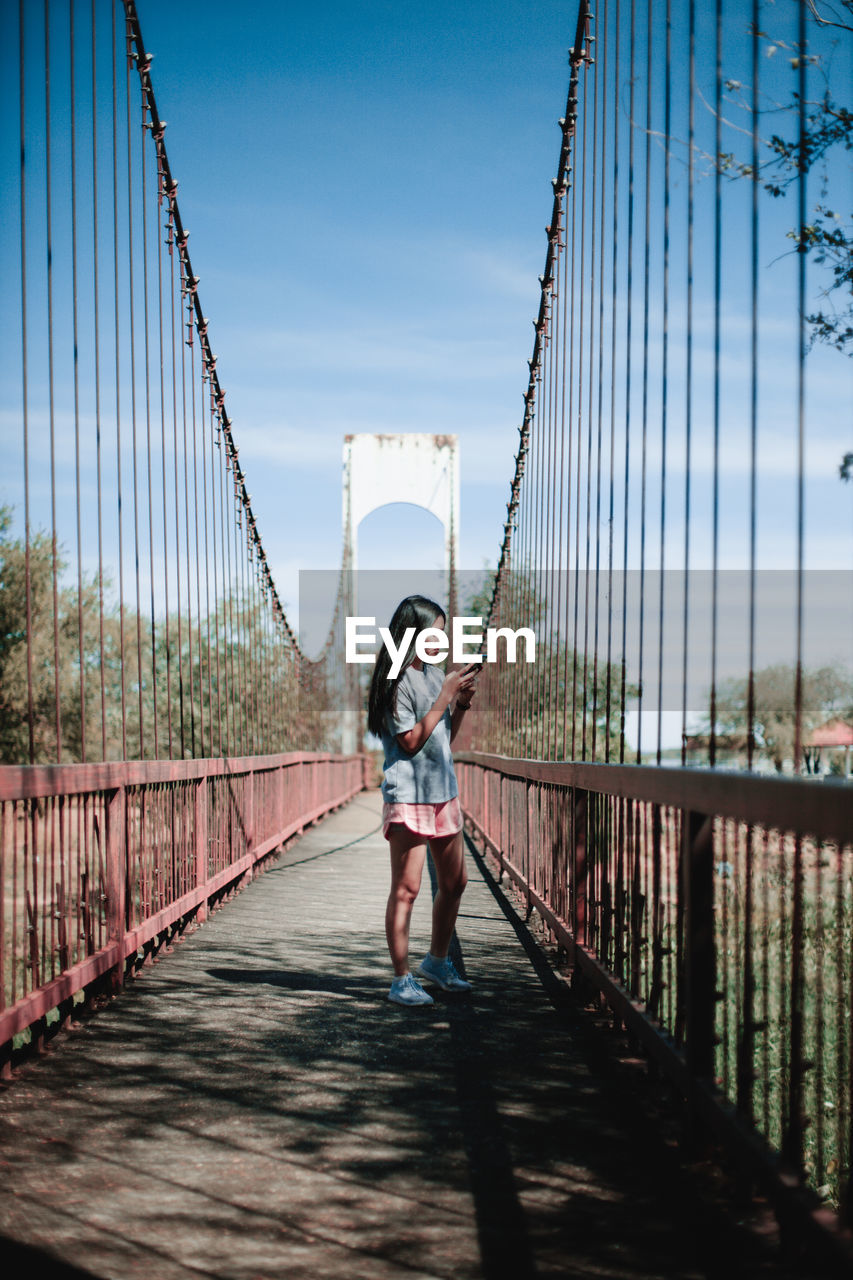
406, 991
443, 973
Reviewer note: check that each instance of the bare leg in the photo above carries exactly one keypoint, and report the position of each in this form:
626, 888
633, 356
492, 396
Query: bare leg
448, 854
408, 853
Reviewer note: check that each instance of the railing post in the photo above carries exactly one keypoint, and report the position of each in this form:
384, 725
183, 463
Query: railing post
529, 795
200, 841
503, 822
578, 870
116, 885
249, 809
299, 790
697, 887
484, 816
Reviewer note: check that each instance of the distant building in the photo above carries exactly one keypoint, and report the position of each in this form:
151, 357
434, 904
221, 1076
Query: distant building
834, 736
730, 749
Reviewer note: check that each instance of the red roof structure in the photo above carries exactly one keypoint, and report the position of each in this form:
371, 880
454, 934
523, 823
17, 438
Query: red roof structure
835, 733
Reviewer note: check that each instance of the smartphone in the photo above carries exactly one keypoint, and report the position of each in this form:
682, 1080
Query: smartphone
476, 666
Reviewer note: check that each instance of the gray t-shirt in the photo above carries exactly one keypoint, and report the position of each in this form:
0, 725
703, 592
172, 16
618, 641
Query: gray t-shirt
428, 776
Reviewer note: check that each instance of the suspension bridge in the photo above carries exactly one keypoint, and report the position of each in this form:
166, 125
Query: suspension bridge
654, 1072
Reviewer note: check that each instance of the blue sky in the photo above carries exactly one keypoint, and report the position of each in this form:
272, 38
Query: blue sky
367, 188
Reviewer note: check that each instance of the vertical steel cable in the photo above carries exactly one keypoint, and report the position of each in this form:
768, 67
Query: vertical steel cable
592, 529
222, 620
213, 711
746, 1047
550, 702
239, 605
543, 560
229, 487
522, 714
529, 560
665, 369
161, 356
518, 573
227, 497
147, 356
753, 388
170, 243
572, 121
629, 301
51, 397
273, 672
802, 249
556, 341
560, 750
249, 687
215, 445
25, 422
245, 651
535, 591
97, 357
688, 404
242, 638
646, 274
252, 690
197, 544
579, 385
187, 526
795, 1119
76, 367
715, 497
241, 590
131, 300
541, 490
116, 309
260, 713
202, 432
602, 55
261, 682
613, 313
590, 385
519, 676
556, 338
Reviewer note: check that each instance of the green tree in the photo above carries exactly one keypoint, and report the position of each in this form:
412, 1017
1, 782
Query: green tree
819, 146
190, 687
826, 692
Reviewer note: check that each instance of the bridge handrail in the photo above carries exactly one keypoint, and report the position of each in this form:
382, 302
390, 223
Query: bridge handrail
823, 809
101, 861
712, 910
23, 782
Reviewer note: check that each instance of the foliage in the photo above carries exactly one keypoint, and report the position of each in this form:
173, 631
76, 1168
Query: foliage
826, 693
479, 602
562, 706
220, 685
826, 129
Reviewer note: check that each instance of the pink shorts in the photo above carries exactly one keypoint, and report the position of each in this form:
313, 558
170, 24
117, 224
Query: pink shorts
441, 819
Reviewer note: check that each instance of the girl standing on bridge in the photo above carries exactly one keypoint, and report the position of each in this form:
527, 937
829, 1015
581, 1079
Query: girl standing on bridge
412, 716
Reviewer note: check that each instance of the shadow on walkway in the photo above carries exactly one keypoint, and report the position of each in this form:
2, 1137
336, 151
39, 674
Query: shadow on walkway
253, 1107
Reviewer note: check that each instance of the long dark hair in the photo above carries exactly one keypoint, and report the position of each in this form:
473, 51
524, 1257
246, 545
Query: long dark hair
415, 611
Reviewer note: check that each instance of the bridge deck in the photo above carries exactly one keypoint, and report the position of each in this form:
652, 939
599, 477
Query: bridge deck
253, 1107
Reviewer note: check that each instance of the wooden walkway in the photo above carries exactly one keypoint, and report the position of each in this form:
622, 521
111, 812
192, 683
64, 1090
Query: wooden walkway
253, 1107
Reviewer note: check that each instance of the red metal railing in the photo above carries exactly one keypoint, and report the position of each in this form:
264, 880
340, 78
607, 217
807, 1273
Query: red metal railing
97, 861
714, 911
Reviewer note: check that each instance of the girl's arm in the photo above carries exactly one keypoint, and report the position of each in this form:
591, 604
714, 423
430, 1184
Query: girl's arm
455, 682
457, 717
